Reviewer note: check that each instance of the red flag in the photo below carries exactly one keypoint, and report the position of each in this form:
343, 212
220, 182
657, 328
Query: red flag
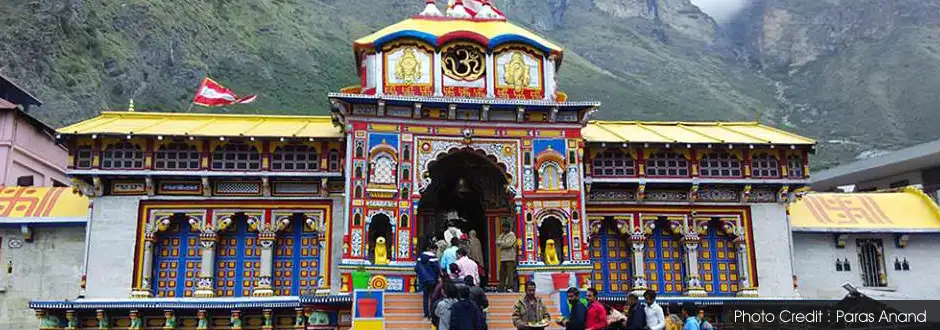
213, 94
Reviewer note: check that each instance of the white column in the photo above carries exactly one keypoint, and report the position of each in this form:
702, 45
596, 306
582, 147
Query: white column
205, 286
745, 289
490, 76
263, 287
693, 286
379, 73
147, 269
638, 244
548, 78
436, 67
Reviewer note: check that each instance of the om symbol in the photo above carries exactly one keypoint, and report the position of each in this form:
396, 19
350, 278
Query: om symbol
463, 63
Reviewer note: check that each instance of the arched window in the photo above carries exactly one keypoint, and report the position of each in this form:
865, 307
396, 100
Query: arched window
664, 269
357, 220
236, 156
406, 152
383, 170
83, 157
334, 160
358, 172
764, 165
121, 156
552, 229
177, 156
614, 163
359, 149
405, 192
380, 226
294, 157
718, 263
551, 177
358, 193
405, 174
719, 164
176, 260
404, 221
795, 167
296, 259
667, 163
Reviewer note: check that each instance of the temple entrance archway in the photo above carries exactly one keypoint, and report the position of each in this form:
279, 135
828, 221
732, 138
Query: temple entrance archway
468, 190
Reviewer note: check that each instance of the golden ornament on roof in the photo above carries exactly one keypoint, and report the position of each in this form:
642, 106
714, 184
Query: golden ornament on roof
516, 72
408, 69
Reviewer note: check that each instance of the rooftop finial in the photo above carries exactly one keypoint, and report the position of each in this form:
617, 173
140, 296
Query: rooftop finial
430, 9
458, 10
130, 106
487, 12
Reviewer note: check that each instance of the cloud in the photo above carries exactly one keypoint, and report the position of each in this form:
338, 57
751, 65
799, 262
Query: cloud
720, 10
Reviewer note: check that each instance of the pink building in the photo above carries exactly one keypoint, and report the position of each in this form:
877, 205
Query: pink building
29, 154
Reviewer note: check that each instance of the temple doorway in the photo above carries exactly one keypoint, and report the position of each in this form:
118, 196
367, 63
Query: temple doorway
468, 190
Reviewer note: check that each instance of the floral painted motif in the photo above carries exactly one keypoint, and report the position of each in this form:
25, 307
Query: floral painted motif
356, 243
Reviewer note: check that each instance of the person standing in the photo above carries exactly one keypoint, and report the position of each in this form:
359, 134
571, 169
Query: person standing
692, 322
506, 243
444, 306
427, 270
703, 321
450, 254
615, 319
477, 294
673, 322
530, 310
636, 316
576, 313
467, 266
596, 318
465, 314
655, 320
476, 250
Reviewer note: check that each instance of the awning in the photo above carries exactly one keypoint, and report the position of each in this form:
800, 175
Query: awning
188, 124
689, 132
907, 210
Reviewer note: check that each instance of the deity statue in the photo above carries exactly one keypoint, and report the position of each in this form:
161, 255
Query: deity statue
409, 67
203, 322
318, 318
170, 320
136, 322
236, 320
103, 321
551, 253
516, 72
381, 251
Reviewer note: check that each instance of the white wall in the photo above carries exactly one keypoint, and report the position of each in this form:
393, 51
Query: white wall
111, 249
816, 255
49, 267
772, 250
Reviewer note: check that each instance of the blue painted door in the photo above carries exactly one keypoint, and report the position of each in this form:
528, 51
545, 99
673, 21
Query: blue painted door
610, 255
664, 263
718, 263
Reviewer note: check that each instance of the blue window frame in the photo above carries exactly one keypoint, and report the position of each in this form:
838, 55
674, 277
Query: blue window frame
718, 263
664, 270
176, 261
238, 258
296, 260
610, 254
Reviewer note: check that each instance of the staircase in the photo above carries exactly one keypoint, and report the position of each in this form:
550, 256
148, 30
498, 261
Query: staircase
403, 311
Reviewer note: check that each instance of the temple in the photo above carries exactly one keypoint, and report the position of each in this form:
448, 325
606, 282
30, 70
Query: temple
269, 222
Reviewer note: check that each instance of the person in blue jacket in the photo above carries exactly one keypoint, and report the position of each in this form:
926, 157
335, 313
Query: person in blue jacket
427, 269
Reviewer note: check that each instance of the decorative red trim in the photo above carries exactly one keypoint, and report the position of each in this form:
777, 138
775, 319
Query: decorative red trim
468, 35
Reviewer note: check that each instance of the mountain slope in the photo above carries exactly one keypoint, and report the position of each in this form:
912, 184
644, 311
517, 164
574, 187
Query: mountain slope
862, 74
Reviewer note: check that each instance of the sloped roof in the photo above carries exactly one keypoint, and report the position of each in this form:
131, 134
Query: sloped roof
906, 210
437, 31
41, 202
689, 132
187, 124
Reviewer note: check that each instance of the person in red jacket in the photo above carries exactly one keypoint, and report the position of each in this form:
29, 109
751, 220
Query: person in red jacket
596, 313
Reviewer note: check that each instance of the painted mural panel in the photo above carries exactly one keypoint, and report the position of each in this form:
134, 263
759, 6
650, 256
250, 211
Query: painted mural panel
518, 74
408, 69
464, 70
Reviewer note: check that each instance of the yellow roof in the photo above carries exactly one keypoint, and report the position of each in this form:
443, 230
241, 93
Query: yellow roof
41, 202
688, 132
908, 210
155, 123
437, 31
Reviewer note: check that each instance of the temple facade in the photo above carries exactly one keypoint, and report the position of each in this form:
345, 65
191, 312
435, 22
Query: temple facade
268, 222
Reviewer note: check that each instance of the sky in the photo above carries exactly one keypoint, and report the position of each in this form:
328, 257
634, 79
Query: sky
720, 10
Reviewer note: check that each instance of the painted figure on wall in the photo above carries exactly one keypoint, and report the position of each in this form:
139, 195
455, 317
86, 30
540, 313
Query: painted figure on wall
381, 251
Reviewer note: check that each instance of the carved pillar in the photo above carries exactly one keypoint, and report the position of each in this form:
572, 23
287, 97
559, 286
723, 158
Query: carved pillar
268, 315
745, 289
71, 320
104, 323
693, 286
204, 286
638, 244
267, 233
158, 222
236, 320
202, 320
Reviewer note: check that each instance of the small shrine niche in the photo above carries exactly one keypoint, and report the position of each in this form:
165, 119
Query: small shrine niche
379, 227
551, 240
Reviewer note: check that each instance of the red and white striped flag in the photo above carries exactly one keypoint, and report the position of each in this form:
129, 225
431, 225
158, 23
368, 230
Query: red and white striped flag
213, 94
